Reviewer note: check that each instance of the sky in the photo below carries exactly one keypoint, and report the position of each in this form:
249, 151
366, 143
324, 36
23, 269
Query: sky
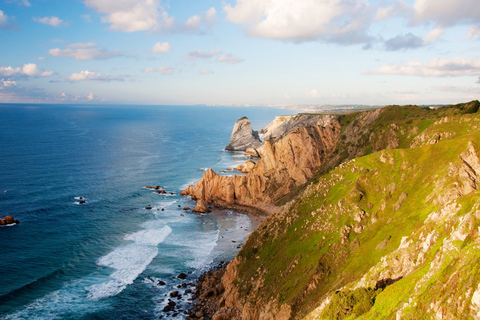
240, 52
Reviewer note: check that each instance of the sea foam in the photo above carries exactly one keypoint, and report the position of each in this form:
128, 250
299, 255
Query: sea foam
128, 261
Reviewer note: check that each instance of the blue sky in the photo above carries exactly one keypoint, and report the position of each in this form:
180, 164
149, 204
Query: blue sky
240, 52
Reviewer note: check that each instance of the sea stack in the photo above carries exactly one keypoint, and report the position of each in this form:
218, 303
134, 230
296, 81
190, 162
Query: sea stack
243, 137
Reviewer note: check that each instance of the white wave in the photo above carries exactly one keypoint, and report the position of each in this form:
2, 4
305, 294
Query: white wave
128, 261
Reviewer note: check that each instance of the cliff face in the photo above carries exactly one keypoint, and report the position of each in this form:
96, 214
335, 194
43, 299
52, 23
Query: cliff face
243, 137
284, 165
393, 234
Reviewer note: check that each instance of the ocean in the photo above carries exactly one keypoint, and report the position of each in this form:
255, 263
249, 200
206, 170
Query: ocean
104, 259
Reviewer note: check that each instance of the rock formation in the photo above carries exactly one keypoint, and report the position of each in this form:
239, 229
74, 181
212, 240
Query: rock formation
246, 167
201, 207
8, 220
243, 137
284, 165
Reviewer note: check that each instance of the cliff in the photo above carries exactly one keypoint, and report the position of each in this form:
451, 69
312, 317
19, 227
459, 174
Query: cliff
284, 165
391, 234
243, 137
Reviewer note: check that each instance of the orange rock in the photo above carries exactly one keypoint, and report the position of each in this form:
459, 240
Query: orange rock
9, 220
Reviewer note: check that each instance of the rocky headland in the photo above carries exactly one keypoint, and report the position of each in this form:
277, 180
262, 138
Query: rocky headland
370, 215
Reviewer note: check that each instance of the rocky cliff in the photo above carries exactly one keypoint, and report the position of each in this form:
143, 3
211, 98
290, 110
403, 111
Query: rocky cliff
243, 137
392, 234
284, 165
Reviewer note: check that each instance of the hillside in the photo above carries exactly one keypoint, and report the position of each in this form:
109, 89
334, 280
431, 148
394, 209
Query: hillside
391, 234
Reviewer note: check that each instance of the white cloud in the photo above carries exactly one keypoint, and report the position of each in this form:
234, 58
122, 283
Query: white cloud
3, 19
434, 35
147, 70
29, 69
330, 20
88, 75
9, 71
8, 83
205, 71
85, 51
228, 58
161, 70
446, 12
193, 22
165, 70
200, 54
162, 47
52, 21
90, 97
132, 15
313, 93
453, 67
399, 8
210, 16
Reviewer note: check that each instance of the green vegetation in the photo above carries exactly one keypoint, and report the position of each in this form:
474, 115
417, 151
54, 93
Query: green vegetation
351, 302
348, 224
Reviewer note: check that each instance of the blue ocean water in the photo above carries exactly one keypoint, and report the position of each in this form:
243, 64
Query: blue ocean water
103, 259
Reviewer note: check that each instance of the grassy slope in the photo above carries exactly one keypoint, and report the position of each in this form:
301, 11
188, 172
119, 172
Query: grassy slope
297, 257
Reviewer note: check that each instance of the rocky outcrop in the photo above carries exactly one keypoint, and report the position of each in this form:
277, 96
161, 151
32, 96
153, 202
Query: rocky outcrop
284, 165
246, 167
201, 207
8, 220
283, 125
243, 137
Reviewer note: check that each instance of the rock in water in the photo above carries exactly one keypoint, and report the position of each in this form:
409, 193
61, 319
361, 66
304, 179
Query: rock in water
9, 220
243, 137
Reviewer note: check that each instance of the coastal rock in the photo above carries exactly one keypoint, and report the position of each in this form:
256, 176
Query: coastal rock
9, 220
243, 137
252, 152
186, 208
201, 207
283, 125
284, 165
246, 167
2, 222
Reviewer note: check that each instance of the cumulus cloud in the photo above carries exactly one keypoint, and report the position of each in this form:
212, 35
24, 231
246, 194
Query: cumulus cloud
205, 71
132, 15
162, 47
85, 51
330, 20
446, 12
453, 67
161, 70
210, 17
87, 75
51, 21
403, 42
90, 96
29, 69
3, 18
200, 54
228, 58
